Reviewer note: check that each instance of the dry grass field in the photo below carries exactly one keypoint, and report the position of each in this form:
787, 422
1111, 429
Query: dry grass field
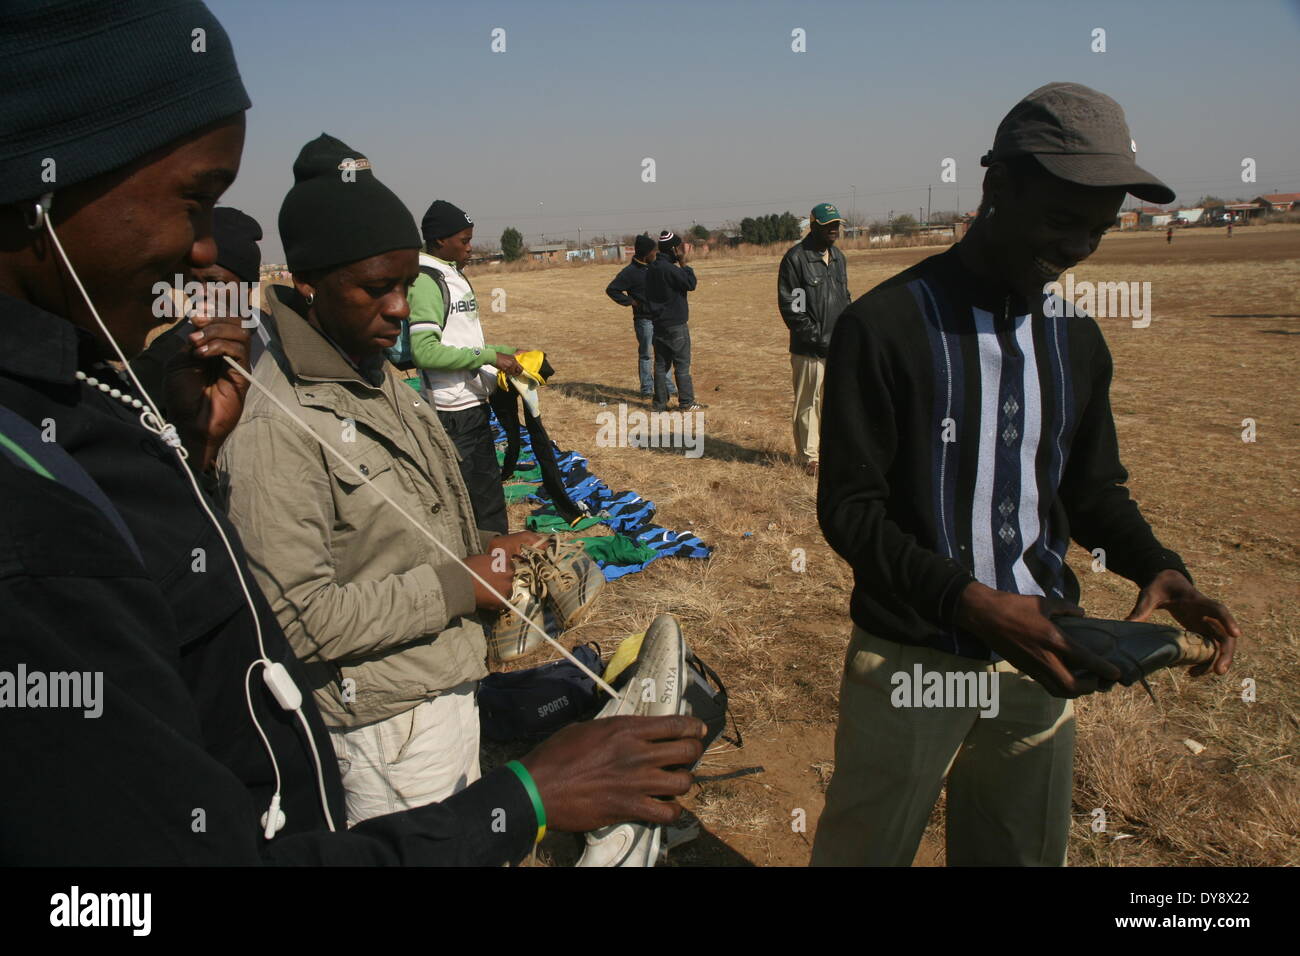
1223, 346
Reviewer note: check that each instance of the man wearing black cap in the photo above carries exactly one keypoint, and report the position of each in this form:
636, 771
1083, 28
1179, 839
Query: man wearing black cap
628, 288
973, 438
116, 140
458, 367
668, 281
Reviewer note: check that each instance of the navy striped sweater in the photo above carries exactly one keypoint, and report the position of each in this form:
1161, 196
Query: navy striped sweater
964, 438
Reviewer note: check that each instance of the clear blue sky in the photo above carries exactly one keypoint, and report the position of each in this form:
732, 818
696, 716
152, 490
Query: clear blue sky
550, 135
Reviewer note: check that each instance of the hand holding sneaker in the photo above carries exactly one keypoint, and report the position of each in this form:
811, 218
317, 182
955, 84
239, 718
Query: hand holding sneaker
603, 772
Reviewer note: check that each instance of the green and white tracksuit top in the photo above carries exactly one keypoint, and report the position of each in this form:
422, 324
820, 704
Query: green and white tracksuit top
456, 366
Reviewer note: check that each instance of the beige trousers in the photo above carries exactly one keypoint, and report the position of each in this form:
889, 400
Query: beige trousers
1010, 777
416, 758
808, 374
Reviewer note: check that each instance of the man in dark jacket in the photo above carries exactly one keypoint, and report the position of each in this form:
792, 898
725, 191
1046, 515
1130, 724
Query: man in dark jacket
812, 289
973, 437
114, 568
628, 288
668, 281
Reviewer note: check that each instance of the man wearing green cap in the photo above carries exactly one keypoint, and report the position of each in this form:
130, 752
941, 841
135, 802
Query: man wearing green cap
973, 440
812, 290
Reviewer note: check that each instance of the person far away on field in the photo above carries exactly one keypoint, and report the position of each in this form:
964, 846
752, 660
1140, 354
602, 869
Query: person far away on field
812, 290
668, 281
628, 288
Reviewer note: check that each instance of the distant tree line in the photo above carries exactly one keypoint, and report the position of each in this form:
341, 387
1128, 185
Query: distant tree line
765, 230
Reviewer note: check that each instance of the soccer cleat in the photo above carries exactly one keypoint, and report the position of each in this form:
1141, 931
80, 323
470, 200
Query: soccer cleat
1135, 648
570, 578
511, 636
653, 688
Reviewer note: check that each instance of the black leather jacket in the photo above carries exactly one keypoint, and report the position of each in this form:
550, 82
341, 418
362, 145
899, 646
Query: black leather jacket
824, 295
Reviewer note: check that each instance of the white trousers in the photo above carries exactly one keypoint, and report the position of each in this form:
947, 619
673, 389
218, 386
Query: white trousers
416, 758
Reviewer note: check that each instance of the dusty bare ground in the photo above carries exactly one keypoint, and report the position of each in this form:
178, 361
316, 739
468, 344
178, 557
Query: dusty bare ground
1223, 347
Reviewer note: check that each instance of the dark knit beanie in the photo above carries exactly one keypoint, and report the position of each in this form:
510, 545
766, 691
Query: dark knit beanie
93, 85
236, 234
442, 220
668, 242
643, 246
338, 212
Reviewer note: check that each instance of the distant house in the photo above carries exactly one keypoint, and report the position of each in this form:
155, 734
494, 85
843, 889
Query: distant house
1190, 216
571, 254
1242, 211
612, 250
1276, 203
548, 251
1153, 216
1128, 219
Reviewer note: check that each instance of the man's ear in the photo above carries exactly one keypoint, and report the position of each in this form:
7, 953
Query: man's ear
998, 187
305, 284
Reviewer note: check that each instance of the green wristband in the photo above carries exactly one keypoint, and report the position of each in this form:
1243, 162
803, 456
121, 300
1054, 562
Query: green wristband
526, 779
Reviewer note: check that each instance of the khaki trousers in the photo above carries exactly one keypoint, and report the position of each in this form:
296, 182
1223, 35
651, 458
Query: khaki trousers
1010, 777
416, 758
808, 375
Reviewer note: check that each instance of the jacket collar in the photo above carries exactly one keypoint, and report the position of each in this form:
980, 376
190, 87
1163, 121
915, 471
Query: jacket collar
309, 353
813, 253
36, 344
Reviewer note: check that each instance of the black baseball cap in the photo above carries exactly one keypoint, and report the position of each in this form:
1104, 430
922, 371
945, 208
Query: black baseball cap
1079, 135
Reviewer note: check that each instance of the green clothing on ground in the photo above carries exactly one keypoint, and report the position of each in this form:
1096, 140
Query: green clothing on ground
548, 523
616, 549
518, 491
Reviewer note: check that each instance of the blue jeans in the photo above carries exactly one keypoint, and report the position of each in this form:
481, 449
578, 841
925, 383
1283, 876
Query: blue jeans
673, 351
645, 331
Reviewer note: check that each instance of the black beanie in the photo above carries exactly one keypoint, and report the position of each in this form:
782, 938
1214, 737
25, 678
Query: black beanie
338, 212
93, 85
668, 242
643, 245
442, 220
236, 234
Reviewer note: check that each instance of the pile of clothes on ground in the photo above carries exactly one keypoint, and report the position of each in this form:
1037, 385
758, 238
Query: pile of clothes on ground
636, 540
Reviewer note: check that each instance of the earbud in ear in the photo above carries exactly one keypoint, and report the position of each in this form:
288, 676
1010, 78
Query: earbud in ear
41, 209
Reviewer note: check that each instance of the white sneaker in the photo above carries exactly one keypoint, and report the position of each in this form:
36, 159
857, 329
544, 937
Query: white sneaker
653, 689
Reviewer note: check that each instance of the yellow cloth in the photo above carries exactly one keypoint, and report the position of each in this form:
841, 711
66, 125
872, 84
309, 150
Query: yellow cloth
532, 365
625, 654
527, 383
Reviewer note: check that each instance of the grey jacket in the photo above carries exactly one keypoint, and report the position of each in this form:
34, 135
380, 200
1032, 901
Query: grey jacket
380, 615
